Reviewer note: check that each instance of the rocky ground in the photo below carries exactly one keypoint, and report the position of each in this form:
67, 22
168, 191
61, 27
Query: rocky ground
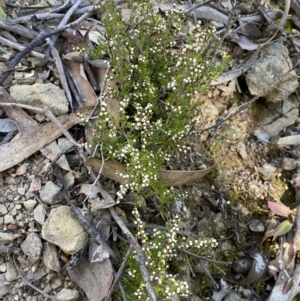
249, 127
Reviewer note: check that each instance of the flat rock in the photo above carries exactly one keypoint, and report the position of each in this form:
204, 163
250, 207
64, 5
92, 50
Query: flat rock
278, 116
30, 204
8, 237
39, 214
3, 209
41, 96
32, 246
64, 230
67, 295
262, 75
50, 257
11, 272
50, 193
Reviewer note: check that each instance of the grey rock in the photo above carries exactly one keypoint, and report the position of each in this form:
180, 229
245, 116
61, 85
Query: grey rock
32, 246
39, 214
267, 171
50, 193
41, 95
30, 204
3, 209
69, 179
263, 74
3, 267
8, 237
232, 296
55, 283
67, 295
21, 190
5, 286
242, 265
11, 272
241, 149
64, 230
50, 257
65, 144
9, 219
10, 180
278, 116
256, 225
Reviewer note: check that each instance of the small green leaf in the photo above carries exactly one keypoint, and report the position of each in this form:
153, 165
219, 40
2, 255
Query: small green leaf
2, 14
283, 228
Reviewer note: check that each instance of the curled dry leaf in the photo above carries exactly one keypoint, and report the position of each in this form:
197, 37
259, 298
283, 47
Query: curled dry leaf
94, 278
111, 169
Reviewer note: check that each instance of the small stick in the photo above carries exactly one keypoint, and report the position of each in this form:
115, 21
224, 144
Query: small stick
140, 257
46, 112
37, 42
31, 285
18, 29
119, 273
20, 47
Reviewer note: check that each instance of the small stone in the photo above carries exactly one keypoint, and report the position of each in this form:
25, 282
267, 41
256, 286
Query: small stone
41, 95
69, 179
11, 272
257, 226
3, 267
10, 180
242, 265
3, 209
39, 214
8, 237
65, 144
241, 149
21, 191
30, 204
50, 193
232, 296
267, 171
64, 230
32, 246
50, 257
67, 295
55, 283
9, 219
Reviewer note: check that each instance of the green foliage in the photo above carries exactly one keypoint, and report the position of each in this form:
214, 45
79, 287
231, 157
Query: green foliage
160, 250
158, 72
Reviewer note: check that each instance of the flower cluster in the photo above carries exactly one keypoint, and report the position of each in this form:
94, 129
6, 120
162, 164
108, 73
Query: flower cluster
160, 250
156, 69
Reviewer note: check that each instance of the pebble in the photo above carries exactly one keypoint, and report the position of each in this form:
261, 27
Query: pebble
3, 209
11, 272
30, 204
3, 267
10, 180
9, 219
32, 246
21, 191
55, 283
64, 230
50, 192
39, 214
8, 237
67, 295
50, 257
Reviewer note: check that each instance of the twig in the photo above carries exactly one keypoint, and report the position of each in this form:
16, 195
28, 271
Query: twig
119, 273
19, 47
37, 42
18, 29
140, 257
62, 23
31, 285
85, 223
61, 74
46, 111
204, 258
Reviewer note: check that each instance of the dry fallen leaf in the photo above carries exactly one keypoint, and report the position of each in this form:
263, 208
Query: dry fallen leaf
27, 144
21, 170
111, 169
94, 278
